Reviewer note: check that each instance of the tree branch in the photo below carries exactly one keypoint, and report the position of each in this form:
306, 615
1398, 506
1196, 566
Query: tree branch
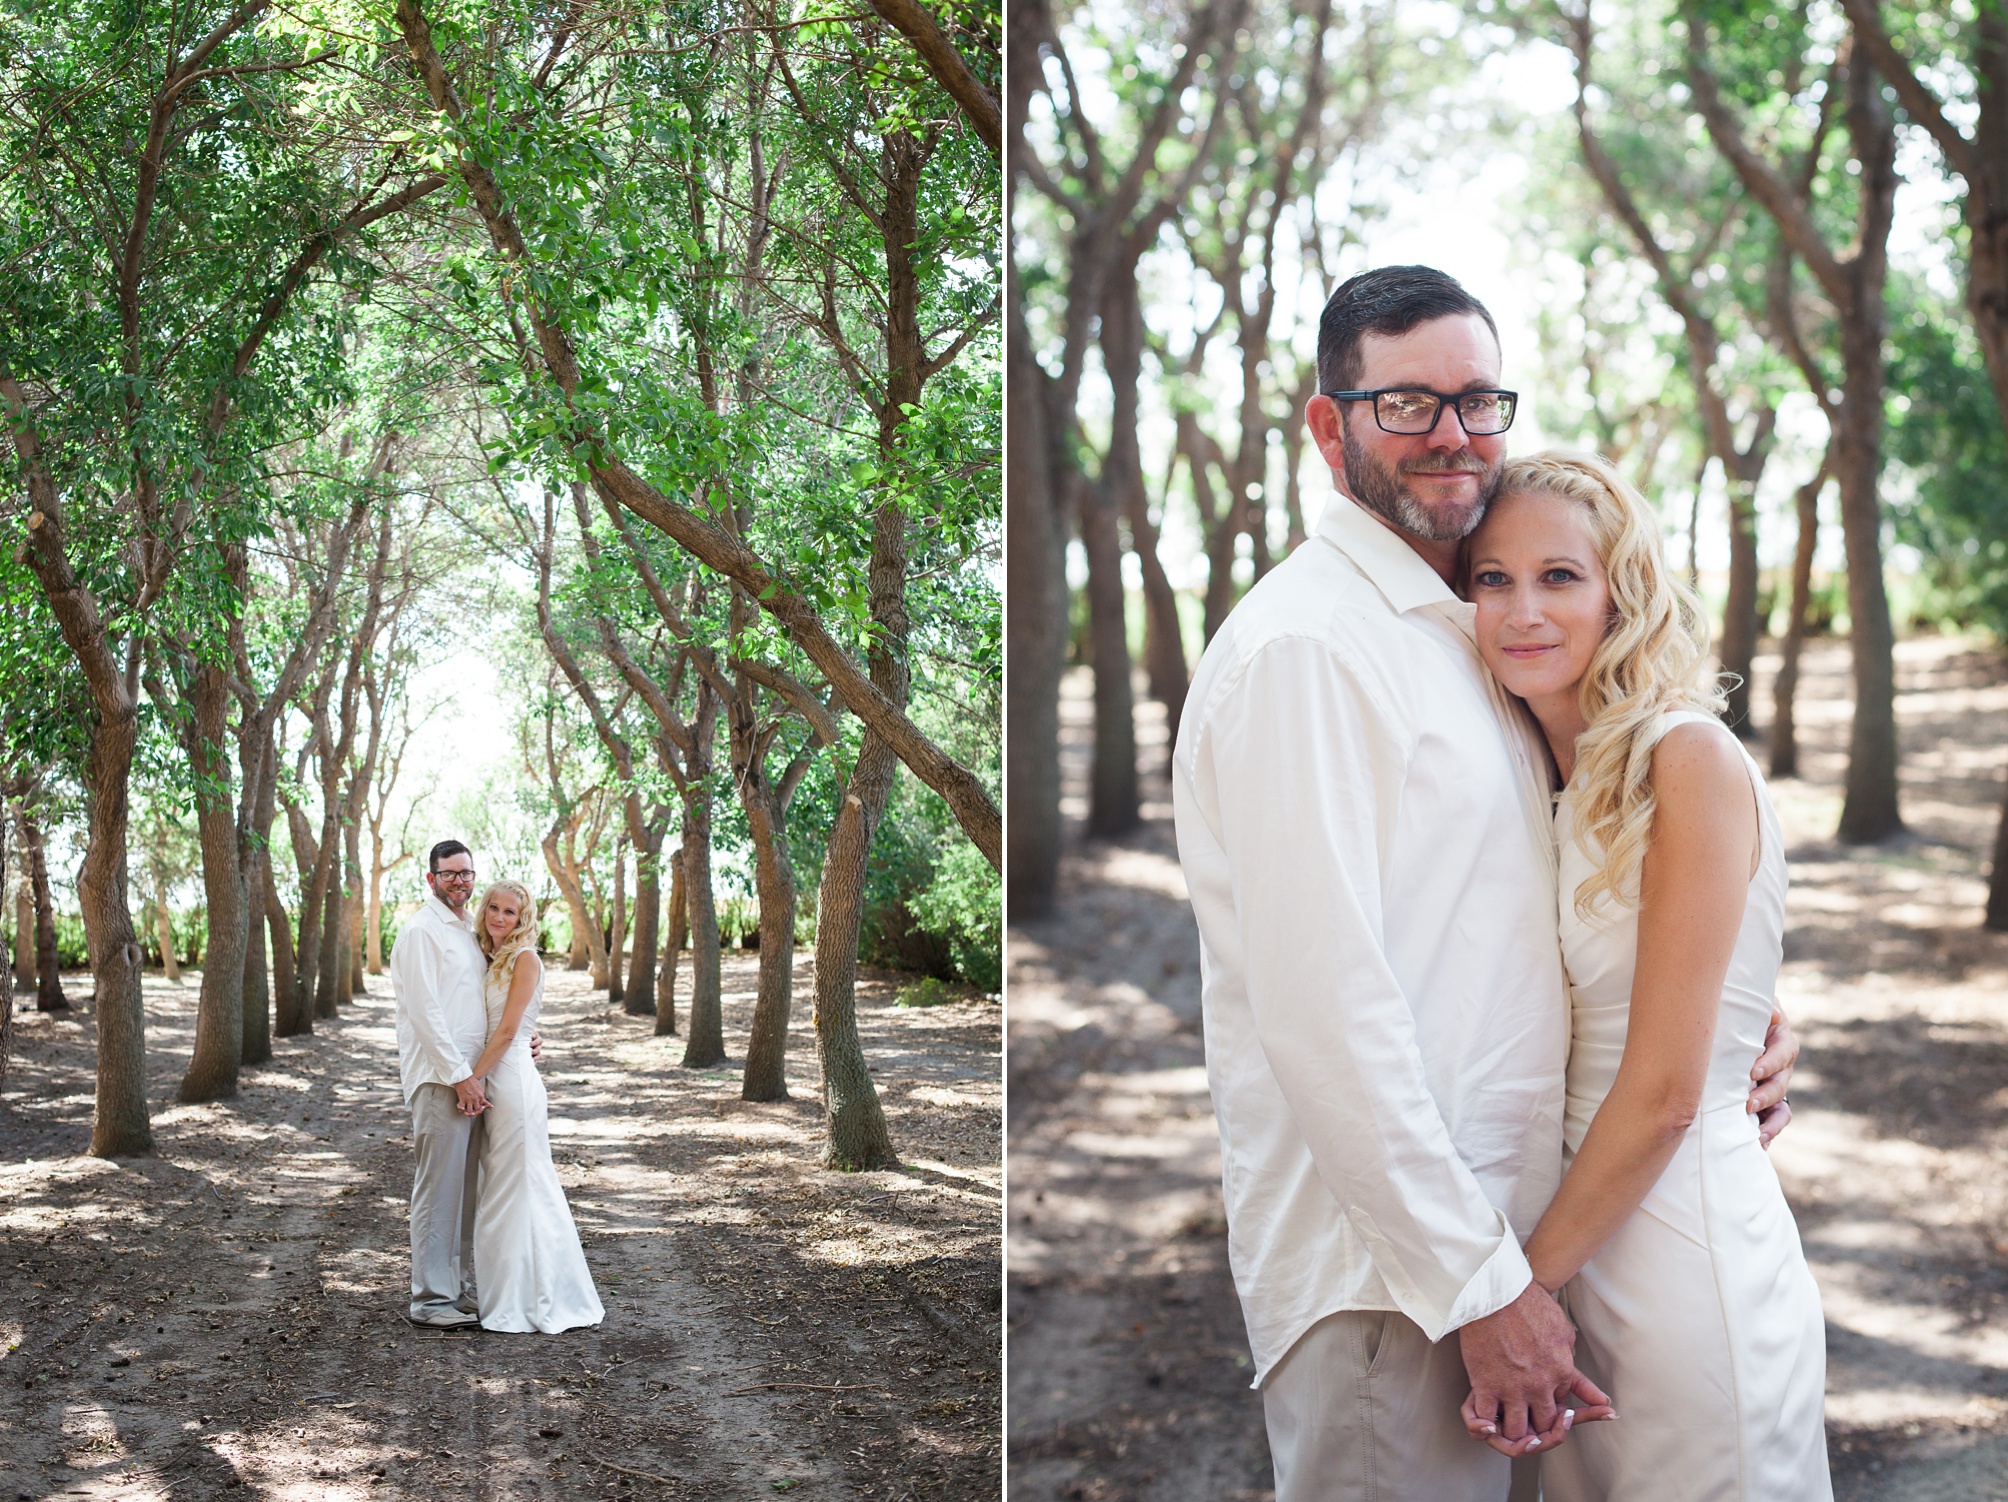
976, 100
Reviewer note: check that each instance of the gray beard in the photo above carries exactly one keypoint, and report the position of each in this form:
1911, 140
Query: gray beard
1382, 491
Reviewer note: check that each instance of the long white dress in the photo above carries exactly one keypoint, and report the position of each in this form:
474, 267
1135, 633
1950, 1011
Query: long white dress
1699, 1316
530, 1272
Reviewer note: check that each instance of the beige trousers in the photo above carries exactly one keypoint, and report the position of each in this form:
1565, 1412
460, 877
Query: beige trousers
1364, 1409
448, 1148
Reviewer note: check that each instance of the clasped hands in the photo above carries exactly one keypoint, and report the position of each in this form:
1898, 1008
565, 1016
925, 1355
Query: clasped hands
1522, 1366
471, 1094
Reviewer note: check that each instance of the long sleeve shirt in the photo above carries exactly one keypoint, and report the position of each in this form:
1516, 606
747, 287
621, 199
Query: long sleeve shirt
436, 972
1364, 825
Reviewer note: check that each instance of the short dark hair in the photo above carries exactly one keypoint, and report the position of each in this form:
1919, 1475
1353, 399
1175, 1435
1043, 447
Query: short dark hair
441, 851
1389, 300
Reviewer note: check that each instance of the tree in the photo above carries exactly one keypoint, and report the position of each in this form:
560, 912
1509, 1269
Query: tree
1852, 278
1115, 211
1948, 68
1708, 342
130, 362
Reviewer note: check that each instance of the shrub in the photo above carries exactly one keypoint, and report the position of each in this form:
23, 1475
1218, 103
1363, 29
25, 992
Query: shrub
925, 992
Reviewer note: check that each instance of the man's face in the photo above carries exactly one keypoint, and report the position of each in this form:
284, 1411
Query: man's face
1433, 485
453, 880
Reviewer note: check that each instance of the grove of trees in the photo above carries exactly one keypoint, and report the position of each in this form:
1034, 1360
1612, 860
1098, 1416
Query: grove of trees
648, 354
1773, 260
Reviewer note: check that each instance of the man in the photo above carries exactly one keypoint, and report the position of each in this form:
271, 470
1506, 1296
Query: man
1363, 821
436, 971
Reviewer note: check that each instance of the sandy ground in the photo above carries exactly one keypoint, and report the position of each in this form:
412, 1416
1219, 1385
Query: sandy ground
1129, 1364
226, 1317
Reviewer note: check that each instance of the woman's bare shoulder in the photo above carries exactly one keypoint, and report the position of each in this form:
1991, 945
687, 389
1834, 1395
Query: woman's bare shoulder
1699, 768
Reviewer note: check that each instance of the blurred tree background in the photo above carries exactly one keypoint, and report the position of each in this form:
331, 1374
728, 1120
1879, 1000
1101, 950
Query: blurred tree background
573, 429
1755, 254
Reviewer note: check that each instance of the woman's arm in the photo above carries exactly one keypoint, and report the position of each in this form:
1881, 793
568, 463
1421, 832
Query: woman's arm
1692, 888
522, 986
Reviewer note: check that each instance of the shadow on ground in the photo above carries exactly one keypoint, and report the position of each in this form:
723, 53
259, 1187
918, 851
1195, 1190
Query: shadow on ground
224, 1319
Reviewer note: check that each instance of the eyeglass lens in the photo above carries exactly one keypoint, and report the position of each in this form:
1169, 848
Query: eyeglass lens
1483, 413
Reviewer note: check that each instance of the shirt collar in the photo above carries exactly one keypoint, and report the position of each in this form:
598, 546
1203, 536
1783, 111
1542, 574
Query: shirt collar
438, 905
1394, 568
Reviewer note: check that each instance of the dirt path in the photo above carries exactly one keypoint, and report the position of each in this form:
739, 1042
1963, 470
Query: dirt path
1129, 1363
228, 1313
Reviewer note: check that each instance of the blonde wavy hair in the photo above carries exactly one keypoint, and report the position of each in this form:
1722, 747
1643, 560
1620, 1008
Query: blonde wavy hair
502, 956
1653, 658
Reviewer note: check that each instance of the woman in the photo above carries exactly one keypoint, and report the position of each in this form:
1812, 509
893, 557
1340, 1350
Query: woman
1669, 1242
530, 1272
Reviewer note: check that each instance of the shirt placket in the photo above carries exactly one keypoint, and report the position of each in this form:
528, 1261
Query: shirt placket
1536, 803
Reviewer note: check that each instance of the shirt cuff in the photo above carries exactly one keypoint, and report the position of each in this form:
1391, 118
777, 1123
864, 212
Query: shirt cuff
1500, 1279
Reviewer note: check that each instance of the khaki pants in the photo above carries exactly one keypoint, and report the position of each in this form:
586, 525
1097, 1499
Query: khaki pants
448, 1145
1364, 1409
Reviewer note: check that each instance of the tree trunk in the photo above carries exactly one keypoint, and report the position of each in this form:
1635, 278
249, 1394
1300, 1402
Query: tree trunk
617, 930
254, 841
705, 1046
1869, 811
48, 969
1218, 522
219, 1017
1122, 476
1784, 694
1113, 806
1997, 888
672, 951
1739, 611
859, 1139
290, 1013
163, 925
257, 979
774, 874
352, 910
373, 923
24, 933
587, 946
313, 906
1035, 630
119, 1125
331, 971
638, 991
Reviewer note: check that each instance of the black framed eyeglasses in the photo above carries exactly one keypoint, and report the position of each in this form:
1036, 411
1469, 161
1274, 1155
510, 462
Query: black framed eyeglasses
1411, 409
453, 876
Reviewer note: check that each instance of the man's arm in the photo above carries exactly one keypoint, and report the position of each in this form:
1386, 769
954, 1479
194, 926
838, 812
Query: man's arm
417, 977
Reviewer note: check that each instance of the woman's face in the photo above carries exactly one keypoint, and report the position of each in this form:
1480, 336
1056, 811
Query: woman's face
1544, 601
499, 915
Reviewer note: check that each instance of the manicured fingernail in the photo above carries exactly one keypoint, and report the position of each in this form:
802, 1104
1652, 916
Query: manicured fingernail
1534, 1443
1569, 1418
1488, 1429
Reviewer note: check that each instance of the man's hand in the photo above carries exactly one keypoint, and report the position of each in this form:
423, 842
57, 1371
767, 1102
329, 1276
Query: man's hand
536, 1047
472, 1098
1590, 1409
1772, 1076
1522, 1361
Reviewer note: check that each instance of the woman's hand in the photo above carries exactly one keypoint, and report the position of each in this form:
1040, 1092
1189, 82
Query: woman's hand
1592, 1407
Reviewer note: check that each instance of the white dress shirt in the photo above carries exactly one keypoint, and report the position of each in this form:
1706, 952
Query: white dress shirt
436, 971
1364, 824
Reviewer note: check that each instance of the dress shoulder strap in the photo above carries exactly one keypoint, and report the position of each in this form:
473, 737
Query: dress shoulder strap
1672, 717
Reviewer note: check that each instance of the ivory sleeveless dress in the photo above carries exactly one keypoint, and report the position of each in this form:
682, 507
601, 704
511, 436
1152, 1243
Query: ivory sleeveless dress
1699, 1316
530, 1272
